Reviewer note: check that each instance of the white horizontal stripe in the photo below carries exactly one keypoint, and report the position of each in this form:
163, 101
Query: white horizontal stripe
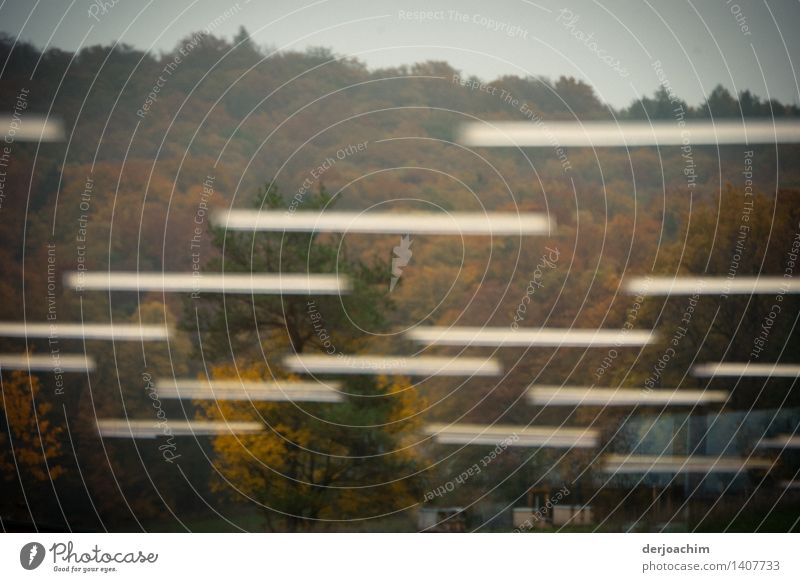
377, 365
207, 282
285, 390
89, 331
628, 133
386, 223
561, 396
32, 128
746, 369
517, 436
710, 285
57, 362
148, 429
670, 464
540, 336
781, 441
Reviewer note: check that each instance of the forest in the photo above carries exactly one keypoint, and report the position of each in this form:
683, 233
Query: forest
155, 143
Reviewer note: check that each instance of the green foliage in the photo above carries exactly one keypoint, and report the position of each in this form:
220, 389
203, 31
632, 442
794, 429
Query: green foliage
344, 461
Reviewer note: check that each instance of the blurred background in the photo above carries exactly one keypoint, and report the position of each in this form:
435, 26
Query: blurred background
129, 127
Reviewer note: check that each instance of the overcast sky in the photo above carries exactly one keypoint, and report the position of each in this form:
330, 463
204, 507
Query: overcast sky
612, 45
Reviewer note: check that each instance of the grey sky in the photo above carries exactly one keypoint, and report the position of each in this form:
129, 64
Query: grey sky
699, 44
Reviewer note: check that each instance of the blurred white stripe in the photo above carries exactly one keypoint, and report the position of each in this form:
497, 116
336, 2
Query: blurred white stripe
386, 223
55, 363
378, 365
746, 369
32, 128
207, 282
538, 336
627, 133
573, 396
88, 331
674, 464
516, 436
149, 429
285, 390
781, 441
710, 285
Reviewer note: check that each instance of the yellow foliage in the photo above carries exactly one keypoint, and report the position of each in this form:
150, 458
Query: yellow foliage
30, 438
304, 466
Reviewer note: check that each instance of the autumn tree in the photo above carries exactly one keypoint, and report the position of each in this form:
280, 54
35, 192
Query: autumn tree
314, 462
740, 235
30, 443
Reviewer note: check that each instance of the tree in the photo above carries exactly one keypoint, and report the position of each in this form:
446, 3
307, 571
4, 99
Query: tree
29, 442
243, 40
721, 103
663, 105
742, 235
340, 461
30, 450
